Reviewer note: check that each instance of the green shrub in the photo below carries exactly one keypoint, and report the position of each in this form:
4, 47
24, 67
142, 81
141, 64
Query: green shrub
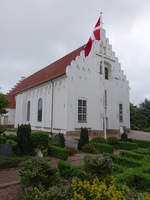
61, 140
13, 144
39, 139
10, 162
98, 140
136, 180
124, 137
103, 148
24, 138
2, 139
11, 137
64, 169
2, 129
84, 138
68, 172
53, 193
78, 173
117, 168
88, 148
127, 145
58, 152
125, 162
112, 140
130, 154
71, 151
100, 166
35, 172
141, 143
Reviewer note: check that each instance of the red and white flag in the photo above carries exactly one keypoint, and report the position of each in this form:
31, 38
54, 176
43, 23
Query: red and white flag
95, 36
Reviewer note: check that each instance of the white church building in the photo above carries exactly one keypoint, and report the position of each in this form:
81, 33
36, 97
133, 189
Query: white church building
74, 92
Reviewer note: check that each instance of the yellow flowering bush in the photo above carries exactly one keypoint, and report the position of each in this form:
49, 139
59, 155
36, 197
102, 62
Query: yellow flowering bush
100, 190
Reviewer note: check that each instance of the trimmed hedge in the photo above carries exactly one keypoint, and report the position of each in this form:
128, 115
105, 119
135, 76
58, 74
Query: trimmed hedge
135, 179
142, 151
2, 129
117, 168
112, 140
2, 139
125, 162
58, 152
127, 145
11, 137
68, 171
102, 148
98, 140
10, 162
39, 138
130, 154
141, 143
88, 148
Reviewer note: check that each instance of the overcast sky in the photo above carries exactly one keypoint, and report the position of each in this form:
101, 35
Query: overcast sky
34, 33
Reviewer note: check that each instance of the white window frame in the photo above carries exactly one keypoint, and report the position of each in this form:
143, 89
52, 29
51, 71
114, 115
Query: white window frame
82, 110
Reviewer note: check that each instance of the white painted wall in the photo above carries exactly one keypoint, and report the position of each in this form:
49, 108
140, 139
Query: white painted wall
85, 81
8, 118
45, 92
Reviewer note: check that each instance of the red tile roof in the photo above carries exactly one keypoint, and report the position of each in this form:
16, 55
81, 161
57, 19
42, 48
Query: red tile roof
52, 71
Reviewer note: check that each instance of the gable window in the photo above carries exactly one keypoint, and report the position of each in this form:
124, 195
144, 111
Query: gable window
82, 111
28, 111
120, 112
39, 117
106, 73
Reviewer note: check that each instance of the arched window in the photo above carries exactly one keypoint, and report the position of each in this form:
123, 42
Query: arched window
28, 111
106, 73
39, 110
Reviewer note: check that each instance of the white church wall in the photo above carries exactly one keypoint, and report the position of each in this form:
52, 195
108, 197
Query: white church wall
45, 93
85, 81
8, 118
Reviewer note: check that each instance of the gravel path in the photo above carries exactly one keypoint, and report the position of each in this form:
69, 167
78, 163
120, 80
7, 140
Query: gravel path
139, 135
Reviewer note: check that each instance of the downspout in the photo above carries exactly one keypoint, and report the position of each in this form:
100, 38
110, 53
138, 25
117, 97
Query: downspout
52, 106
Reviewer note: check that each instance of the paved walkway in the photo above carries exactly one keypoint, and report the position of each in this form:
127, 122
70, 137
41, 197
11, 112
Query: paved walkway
139, 135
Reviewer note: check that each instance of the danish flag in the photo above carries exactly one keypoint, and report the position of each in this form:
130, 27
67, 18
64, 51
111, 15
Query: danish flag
94, 36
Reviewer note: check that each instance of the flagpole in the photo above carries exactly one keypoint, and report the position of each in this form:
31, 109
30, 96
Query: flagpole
105, 108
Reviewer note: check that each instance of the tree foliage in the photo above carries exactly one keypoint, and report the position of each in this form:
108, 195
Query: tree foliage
140, 115
84, 138
24, 138
3, 103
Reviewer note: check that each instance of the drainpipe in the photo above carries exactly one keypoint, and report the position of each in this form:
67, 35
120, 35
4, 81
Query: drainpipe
52, 106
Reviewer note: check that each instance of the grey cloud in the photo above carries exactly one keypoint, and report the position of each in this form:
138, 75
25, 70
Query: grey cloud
33, 33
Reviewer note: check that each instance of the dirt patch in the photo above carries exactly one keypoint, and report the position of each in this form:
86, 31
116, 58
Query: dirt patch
10, 175
10, 193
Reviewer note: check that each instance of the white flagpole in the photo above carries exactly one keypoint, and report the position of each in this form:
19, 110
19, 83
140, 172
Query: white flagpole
105, 108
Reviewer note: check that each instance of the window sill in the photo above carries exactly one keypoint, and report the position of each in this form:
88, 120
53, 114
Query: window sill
81, 122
